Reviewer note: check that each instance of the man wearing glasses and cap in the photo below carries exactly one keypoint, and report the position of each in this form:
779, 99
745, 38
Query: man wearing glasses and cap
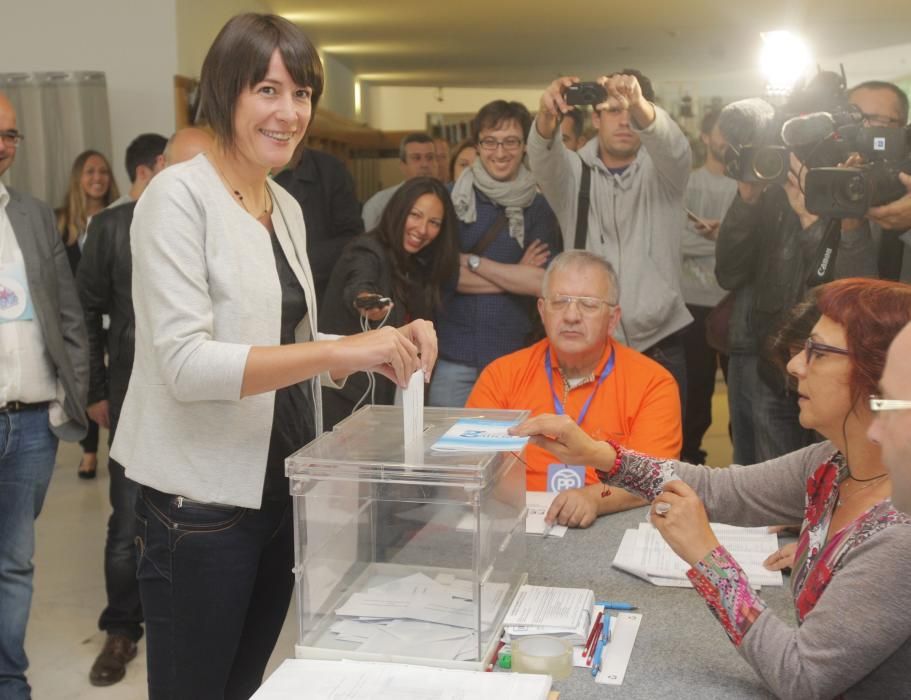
891, 428
612, 391
43, 382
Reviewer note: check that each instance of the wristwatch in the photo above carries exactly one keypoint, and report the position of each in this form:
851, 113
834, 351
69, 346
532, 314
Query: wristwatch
474, 262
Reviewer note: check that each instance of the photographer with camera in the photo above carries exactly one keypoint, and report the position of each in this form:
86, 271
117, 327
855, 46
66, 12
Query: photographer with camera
770, 243
621, 197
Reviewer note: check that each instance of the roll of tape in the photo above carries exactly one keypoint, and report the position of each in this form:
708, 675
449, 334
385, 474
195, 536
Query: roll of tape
548, 655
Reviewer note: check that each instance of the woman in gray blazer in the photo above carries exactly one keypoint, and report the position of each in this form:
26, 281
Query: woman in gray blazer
228, 368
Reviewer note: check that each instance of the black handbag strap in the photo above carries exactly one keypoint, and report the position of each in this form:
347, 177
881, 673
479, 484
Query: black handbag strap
496, 227
585, 195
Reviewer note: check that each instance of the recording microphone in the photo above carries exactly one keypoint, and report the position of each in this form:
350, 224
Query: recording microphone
745, 121
808, 129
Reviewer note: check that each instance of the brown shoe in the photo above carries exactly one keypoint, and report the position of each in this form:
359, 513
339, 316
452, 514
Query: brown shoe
110, 666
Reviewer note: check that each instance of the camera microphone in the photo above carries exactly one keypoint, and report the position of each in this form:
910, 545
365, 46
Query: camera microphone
808, 129
745, 121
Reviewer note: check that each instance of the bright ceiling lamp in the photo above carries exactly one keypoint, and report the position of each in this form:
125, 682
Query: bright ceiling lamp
784, 59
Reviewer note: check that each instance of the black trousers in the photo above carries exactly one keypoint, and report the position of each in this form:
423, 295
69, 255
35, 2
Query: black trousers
702, 363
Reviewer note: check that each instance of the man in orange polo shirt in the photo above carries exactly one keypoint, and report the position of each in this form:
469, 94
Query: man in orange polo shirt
611, 390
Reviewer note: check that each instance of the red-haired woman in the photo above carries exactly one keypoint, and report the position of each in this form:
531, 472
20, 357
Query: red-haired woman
852, 574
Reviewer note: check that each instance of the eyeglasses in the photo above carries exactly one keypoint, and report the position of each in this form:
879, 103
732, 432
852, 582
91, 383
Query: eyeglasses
588, 306
510, 143
814, 350
877, 404
11, 138
880, 120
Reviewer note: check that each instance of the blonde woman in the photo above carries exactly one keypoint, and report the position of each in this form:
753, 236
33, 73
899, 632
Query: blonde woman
91, 189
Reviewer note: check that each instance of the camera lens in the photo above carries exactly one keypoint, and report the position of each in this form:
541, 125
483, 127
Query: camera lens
852, 190
769, 163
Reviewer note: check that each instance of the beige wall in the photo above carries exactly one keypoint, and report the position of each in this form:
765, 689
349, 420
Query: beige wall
198, 21
133, 41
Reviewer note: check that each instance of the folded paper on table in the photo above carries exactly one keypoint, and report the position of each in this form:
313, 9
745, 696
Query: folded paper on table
644, 553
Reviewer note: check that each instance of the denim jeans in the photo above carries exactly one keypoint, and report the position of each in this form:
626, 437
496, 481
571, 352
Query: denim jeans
215, 583
742, 381
451, 384
776, 423
670, 354
27, 451
123, 613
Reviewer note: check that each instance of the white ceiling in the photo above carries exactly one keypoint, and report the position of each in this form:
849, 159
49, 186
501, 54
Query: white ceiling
516, 44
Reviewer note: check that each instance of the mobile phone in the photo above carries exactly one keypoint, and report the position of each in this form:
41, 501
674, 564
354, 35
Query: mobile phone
697, 220
372, 301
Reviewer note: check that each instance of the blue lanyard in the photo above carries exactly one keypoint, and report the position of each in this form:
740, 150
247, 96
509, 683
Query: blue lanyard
558, 406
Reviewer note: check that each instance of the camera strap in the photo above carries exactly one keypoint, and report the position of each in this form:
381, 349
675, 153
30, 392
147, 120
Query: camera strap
585, 197
823, 269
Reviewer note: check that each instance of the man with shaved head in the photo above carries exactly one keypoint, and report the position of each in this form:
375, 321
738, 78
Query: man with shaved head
105, 287
43, 376
891, 428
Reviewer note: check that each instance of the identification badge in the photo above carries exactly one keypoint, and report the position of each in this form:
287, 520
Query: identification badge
15, 303
561, 477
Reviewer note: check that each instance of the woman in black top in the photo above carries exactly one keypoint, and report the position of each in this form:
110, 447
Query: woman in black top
391, 275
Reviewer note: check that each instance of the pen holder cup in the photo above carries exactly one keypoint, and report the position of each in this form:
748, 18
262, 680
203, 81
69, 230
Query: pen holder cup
546, 655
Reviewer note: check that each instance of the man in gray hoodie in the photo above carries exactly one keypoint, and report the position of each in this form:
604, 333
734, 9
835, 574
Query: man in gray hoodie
635, 175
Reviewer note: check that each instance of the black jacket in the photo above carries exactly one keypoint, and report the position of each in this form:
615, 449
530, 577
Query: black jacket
104, 280
324, 188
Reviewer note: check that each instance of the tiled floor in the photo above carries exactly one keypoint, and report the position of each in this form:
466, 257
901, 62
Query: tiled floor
63, 638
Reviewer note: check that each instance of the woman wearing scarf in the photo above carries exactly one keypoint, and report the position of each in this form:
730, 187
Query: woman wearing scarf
507, 235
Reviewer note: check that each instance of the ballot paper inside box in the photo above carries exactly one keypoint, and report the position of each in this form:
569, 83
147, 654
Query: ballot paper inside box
385, 566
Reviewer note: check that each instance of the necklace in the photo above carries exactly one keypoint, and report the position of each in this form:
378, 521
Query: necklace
872, 481
267, 199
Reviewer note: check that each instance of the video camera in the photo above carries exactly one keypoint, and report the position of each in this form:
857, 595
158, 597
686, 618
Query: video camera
757, 149
822, 129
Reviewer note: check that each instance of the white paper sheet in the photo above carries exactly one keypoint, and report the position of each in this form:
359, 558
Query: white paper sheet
359, 680
538, 503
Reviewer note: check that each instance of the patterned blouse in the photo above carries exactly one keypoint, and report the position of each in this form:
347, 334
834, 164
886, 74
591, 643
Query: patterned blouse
719, 579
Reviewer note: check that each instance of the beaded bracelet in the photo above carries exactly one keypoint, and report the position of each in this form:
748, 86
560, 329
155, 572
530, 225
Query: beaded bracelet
613, 471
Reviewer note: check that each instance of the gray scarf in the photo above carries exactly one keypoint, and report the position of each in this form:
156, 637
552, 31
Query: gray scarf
515, 195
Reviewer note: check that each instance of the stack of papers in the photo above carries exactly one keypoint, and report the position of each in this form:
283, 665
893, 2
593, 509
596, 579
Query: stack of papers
556, 612
480, 435
418, 616
362, 680
644, 553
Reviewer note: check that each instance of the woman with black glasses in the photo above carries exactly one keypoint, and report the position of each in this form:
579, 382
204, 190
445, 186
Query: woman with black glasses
852, 573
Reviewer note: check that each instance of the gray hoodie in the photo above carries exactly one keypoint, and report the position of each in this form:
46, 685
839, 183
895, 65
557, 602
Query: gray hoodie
635, 221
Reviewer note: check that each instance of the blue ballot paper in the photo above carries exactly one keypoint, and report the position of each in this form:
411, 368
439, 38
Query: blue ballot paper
480, 435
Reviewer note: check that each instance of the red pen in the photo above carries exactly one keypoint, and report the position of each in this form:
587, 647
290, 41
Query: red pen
593, 635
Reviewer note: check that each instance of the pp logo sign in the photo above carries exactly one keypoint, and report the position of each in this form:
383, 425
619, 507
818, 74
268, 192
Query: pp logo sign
561, 477
879, 143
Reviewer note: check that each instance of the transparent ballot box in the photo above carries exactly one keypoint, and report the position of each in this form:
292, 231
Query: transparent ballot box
403, 553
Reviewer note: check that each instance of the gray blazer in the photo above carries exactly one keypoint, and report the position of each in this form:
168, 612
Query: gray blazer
205, 290
57, 309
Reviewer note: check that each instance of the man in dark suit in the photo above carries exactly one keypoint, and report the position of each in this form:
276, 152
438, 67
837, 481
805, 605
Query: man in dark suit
104, 280
324, 188
43, 377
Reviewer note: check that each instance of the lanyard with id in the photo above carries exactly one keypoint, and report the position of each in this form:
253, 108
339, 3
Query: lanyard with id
561, 477
15, 303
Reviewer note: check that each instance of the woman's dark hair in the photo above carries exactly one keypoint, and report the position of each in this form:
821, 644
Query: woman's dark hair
239, 58
440, 259
792, 334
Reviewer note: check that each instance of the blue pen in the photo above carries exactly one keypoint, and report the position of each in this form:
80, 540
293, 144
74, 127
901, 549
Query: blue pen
611, 605
607, 621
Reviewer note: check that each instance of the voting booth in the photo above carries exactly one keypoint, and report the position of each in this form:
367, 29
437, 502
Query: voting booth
403, 552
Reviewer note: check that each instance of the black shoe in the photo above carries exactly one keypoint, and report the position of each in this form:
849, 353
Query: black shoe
87, 473
111, 664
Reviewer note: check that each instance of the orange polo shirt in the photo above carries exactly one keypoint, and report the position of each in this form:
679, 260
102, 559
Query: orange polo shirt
637, 405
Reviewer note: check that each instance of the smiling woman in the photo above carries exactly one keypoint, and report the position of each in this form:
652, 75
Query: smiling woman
228, 370
409, 260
